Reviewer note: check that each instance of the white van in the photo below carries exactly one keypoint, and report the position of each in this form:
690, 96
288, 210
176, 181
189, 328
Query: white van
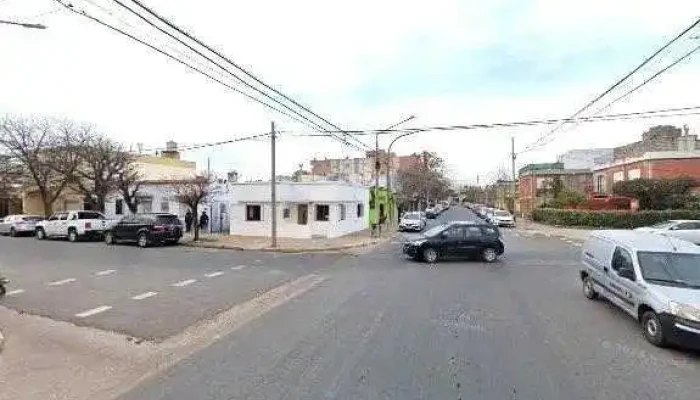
654, 278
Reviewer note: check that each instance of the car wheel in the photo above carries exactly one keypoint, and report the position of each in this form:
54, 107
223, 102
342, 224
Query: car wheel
3, 290
72, 236
40, 234
13, 232
142, 240
588, 288
489, 254
430, 255
109, 238
653, 330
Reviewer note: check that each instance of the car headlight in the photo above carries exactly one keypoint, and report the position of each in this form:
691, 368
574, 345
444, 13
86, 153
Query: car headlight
685, 311
417, 242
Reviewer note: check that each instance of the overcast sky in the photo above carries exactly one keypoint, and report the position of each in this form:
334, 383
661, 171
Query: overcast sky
362, 64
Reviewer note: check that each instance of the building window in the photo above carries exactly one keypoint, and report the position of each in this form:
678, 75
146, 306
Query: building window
119, 207
341, 209
253, 213
164, 206
322, 212
360, 210
600, 184
634, 174
286, 213
618, 176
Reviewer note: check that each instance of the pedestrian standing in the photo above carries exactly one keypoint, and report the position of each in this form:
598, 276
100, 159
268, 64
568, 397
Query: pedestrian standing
188, 221
203, 220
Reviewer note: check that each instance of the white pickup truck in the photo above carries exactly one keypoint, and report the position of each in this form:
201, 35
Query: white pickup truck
73, 225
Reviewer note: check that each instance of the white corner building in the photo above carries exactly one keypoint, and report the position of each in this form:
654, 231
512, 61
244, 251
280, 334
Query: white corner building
304, 209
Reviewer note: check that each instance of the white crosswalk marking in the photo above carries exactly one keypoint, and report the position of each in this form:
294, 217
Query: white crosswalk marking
62, 282
214, 274
184, 283
106, 272
92, 312
238, 267
144, 295
14, 292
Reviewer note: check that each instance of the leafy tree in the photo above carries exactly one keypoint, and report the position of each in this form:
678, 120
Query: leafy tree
657, 194
568, 198
424, 182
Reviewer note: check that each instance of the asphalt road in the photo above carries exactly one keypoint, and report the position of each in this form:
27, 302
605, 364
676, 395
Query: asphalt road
383, 327
149, 293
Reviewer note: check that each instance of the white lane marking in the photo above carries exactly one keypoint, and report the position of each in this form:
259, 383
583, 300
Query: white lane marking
94, 311
238, 267
184, 283
275, 272
62, 282
576, 244
105, 272
14, 292
258, 261
144, 295
214, 274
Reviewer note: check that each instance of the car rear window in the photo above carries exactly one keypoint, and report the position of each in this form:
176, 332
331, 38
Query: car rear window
32, 219
167, 219
89, 215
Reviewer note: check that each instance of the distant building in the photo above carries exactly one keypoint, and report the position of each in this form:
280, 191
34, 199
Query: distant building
361, 170
304, 209
539, 182
664, 152
585, 158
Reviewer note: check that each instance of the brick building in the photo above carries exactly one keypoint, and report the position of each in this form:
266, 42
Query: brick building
361, 170
664, 152
539, 182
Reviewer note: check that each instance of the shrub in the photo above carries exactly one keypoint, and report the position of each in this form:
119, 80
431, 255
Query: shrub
621, 219
568, 198
657, 194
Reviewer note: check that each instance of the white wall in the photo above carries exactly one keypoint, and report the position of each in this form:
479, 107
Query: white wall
292, 194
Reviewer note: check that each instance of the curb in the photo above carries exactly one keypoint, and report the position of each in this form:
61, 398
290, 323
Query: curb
2, 341
287, 251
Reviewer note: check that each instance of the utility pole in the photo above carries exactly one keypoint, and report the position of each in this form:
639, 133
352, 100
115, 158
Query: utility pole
273, 186
512, 165
376, 185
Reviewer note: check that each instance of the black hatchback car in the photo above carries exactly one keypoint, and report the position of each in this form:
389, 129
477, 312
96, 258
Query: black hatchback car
457, 240
146, 229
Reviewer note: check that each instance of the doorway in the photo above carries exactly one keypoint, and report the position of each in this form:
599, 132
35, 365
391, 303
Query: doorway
302, 214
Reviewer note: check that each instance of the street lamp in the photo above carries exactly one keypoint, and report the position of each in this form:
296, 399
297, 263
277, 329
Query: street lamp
388, 168
24, 25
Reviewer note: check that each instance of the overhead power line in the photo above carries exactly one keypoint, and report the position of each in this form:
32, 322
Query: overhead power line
228, 60
616, 84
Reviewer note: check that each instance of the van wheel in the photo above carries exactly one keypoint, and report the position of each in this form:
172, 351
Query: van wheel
142, 240
40, 234
109, 238
489, 254
653, 330
13, 232
588, 288
72, 236
430, 255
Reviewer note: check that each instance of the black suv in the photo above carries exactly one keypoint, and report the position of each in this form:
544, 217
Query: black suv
146, 229
457, 240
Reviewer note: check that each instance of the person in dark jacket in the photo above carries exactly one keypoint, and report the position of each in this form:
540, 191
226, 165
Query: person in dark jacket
203, 220
188, 221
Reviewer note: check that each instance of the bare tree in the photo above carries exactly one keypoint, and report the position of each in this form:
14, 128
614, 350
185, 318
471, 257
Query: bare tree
128, 182
424, 181
193, 192
40, 145
103, 167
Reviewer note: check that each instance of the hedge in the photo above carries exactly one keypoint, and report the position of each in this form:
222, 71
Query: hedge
609, 219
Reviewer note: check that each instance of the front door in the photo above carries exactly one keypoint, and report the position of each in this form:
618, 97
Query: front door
622, 288
302, 214
453, 242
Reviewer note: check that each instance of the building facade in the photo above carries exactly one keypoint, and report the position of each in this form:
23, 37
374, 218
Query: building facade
360, 171
539, 183
304, 209
664, 152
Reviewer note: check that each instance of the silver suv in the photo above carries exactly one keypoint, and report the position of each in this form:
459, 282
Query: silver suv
654, 278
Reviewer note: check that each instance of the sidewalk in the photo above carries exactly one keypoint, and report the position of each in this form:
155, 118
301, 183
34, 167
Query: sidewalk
285, 245
575, 234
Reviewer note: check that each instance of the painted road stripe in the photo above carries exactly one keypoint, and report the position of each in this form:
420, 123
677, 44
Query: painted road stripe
238, 267
184, 283
106, 272
94, 311
214, 274
62, 282
14, 292
144, 295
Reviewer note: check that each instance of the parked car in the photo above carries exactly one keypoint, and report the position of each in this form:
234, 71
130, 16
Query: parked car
653, 278
412, 221
74, 225
502, 218
146, 229
686, 229
456, 239
21, 224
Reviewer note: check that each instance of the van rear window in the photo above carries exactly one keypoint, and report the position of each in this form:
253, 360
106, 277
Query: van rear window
167, 220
